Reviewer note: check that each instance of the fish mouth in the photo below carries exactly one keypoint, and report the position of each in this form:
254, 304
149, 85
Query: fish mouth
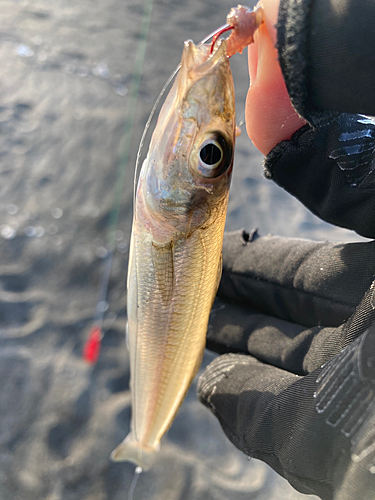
197, 58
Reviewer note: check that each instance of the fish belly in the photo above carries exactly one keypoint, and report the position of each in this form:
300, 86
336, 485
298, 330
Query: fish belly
171, 289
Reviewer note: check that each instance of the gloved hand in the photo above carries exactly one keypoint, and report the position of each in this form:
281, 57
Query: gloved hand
297, 387
298, 321
295, 320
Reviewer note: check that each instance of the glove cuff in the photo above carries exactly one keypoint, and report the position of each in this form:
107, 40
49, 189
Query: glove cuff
331, 171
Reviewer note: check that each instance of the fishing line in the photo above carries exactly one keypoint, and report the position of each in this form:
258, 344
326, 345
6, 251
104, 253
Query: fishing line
129, 123
137, 473
219, 30
137, 162
92, 347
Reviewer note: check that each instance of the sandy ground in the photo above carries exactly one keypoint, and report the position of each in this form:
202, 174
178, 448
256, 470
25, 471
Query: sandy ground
66, 69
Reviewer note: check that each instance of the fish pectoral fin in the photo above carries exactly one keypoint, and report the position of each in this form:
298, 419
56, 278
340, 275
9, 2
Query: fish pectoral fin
162, 260
127, 335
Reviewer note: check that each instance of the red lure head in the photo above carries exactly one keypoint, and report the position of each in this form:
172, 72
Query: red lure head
92, 346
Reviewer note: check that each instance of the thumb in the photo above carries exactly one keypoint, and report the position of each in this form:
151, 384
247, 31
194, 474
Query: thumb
270, 116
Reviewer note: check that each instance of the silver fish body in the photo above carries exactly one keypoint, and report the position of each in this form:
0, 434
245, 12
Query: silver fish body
176, 244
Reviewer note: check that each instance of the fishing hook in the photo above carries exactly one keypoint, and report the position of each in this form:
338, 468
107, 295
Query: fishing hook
218, 33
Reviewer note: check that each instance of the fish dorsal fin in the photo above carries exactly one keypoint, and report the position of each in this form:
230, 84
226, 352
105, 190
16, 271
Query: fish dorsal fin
162, 260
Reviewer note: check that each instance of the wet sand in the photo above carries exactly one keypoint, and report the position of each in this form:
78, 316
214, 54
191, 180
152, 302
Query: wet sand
66, 75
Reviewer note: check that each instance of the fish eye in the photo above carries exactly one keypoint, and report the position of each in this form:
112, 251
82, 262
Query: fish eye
215, 156
211, 153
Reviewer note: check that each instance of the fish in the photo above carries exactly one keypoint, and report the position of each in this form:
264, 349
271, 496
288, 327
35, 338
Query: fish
175, 257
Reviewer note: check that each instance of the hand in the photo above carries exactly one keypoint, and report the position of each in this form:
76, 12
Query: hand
306, 405
295, 320
270, 116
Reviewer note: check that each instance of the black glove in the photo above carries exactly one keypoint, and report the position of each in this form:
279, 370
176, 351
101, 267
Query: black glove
295, 309
331, 170
306, 311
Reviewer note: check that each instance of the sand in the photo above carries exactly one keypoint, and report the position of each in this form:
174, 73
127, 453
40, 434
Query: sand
66, 70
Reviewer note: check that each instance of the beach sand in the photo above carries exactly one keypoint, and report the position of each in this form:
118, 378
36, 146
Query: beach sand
66, 72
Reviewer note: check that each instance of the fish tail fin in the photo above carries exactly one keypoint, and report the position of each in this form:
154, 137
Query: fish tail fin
133, 451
